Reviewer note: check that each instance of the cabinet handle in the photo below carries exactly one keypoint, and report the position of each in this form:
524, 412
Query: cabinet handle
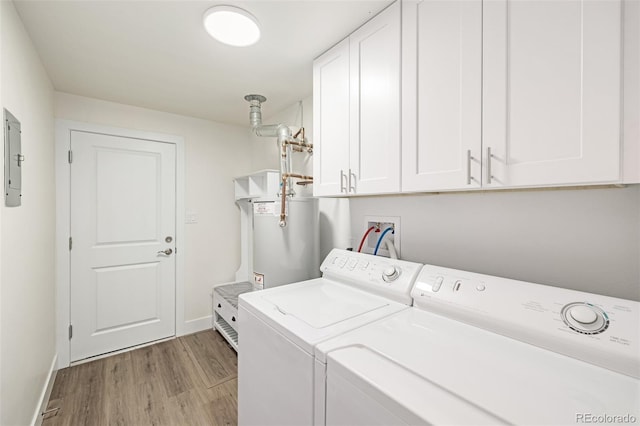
352, 188
233, 319
343, 188
219, 305
489, 156
469, 158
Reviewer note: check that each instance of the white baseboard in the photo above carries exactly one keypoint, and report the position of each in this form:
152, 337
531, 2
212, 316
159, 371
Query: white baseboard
46, 393
198, 324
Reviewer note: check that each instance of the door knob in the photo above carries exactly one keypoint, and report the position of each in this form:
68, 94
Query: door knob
167, 251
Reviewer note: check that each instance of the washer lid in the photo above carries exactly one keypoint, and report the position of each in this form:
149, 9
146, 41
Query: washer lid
312, 311
321, 306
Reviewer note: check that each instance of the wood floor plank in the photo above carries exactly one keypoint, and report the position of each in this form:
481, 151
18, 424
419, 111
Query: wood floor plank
214, 357
150, 404
86, 402
228, 388
221, 407
185, 381
119, 389
175, 375
144, 365
223, 411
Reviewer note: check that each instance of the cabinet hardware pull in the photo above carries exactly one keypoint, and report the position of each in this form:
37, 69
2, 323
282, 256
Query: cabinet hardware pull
469, 158
489, 156
352, 188
343, 187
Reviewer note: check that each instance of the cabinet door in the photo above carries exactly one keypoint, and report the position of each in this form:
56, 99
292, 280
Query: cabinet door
375, 104
331, 121
551, 95
442, 99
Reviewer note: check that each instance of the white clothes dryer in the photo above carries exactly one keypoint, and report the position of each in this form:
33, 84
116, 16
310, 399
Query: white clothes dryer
477, 349
280, 327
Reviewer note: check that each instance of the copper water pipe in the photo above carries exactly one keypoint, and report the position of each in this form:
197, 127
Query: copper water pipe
301, 131
297, 176
283, 197
302, 144
283, 194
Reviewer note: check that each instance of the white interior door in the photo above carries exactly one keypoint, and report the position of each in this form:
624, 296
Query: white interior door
123, 215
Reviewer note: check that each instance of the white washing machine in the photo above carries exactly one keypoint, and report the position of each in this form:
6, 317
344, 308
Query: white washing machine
279, 328
477, 349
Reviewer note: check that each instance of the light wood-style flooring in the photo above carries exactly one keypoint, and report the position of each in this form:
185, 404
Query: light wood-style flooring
190, 380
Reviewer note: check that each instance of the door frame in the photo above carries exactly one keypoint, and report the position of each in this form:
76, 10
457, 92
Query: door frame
63, 223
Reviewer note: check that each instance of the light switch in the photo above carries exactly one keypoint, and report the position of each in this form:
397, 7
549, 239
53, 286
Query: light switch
191, 217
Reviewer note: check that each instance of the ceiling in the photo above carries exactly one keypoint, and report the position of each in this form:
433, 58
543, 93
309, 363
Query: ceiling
156, 54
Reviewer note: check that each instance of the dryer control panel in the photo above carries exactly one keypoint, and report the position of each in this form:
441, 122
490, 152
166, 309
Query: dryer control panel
602, 330
392, 278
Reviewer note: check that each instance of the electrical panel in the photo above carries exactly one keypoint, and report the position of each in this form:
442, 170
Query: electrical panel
13, 160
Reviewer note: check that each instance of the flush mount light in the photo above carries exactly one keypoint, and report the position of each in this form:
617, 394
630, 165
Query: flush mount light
231, 25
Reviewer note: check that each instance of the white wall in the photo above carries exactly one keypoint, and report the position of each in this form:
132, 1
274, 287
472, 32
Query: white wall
215, 153
27, 291
584, 239
334, 212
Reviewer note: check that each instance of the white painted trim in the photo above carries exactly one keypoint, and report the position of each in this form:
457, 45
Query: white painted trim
181, 242
63, 205
46, 393
198, 324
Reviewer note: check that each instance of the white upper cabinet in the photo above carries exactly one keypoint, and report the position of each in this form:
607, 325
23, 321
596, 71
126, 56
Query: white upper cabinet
331, 121
551, 92
504, 93
495, 94
375, 104
441, 94
356, 91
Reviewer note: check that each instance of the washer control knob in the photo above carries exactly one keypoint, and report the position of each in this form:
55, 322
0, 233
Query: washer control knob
390, 274
583, 314
585, 318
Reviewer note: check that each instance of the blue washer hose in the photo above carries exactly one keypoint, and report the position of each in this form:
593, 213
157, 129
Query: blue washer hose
375, 252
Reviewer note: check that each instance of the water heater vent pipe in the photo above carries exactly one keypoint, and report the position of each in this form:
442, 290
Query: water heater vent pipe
280, 131
285, 141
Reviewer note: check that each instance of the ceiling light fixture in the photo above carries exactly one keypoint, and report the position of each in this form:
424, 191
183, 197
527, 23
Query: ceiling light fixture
231, 25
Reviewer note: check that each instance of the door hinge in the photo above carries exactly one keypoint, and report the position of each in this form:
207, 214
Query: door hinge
70, 156
70, 243
70, 331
